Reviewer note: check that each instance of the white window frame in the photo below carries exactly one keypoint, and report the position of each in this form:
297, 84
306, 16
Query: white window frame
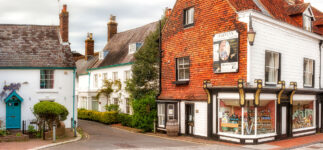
183, 66
127, 75
95, 80
115, 76
105, 76
189, 16
96, 100
168, 108
307, 22
47, 78
161, 115
308, 72
274, 56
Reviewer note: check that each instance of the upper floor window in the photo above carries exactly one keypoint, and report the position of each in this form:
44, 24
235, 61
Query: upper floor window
308, 72
105, 76
115, 76
272, 67
307, 23
133, 47
95, 83
189, 16
183, 69
116, 101
127, 75
46, 79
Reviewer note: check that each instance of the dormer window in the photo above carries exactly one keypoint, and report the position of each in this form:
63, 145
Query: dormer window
133, 47
103, 54
307, 23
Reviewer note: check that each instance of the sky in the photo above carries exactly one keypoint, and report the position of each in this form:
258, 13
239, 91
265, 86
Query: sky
90, 15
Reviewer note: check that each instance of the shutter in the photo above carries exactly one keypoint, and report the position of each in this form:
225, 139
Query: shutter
176, 69
304, 69
313, 75
279, 69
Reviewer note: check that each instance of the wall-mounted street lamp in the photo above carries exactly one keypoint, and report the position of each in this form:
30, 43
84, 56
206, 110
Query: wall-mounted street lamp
251, 33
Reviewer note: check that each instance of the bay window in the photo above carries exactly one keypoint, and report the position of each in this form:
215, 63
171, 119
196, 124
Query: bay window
272, 67
230, 117
308, 72
303, 114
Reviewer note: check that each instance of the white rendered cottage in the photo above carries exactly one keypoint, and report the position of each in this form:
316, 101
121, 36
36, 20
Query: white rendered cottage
113, 63
36, 64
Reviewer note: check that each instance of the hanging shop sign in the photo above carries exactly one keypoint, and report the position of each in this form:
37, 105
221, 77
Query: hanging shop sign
226, 52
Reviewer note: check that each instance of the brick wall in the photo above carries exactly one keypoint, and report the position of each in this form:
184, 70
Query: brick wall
63, 18
211, 17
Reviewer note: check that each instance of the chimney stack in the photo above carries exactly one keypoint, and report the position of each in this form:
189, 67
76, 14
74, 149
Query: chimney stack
63, 23
89, 46
299, 1
168, 11
112, 27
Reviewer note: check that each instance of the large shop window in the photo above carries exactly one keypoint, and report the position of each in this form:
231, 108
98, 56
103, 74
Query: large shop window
230, 117
247, 120
183, 69
272, 65
46, 79
161, 115
308, 72
303, 114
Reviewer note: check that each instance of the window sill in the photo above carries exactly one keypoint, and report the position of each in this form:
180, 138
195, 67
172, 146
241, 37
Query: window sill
270, 84
181, 82
308, 86
47, 91
188, 25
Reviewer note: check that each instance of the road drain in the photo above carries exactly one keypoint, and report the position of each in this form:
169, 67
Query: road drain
124, 145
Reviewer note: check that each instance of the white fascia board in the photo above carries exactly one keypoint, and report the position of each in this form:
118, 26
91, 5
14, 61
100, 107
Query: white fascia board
244, 17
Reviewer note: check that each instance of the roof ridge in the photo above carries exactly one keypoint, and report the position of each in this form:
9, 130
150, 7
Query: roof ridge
29, 25
137, 27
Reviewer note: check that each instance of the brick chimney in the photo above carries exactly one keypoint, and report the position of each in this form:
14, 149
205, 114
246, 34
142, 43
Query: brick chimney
168, 11
89, 46
112, 27
63, 23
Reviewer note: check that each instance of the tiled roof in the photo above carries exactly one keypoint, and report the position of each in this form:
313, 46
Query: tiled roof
118, 46
33, 46
296, 9
278, 9
82, 65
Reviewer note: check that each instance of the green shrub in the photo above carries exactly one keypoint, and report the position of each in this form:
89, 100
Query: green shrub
50, 112
3, 132
109, 117
31, 129
112, 107
144, 113
125, 120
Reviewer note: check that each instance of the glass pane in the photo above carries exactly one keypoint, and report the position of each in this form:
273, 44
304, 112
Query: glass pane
303, 114
181, 74
266, 117
230, 117
187, 74
267, 59
249, 118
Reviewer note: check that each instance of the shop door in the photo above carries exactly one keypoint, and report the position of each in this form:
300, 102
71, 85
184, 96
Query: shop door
284, 120
189, 119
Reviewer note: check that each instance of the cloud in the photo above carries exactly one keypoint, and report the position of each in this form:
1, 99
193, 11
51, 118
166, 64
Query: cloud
89, 15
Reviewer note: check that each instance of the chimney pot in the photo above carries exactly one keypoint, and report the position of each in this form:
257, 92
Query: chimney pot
64, 8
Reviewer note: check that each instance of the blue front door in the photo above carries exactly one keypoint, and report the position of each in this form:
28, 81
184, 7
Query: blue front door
13, 113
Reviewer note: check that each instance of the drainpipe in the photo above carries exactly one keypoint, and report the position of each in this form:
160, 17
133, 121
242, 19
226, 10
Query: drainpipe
160, 59
73, 97
321, 43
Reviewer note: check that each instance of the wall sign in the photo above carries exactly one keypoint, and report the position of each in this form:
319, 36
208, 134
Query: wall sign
226, 52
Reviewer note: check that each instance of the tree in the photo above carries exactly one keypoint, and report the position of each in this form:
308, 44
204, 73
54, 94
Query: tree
143, 87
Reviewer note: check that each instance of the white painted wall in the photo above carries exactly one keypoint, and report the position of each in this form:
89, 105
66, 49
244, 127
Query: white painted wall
84, 89
32, 94
293, 46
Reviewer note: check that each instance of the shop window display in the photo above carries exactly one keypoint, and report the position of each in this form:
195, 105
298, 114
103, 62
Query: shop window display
230, 117
249, 118
266, 117
303, 114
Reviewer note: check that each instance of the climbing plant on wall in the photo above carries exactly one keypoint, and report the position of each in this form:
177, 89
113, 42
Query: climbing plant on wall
9, 88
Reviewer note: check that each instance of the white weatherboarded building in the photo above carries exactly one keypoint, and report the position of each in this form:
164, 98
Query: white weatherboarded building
36, 64
113, 63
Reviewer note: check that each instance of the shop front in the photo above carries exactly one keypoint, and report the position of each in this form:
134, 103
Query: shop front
255, 115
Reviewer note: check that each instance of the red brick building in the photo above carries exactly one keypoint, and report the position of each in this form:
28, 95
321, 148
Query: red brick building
206, 51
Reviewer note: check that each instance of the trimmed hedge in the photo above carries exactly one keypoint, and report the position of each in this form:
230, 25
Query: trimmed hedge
126, 120
110, 117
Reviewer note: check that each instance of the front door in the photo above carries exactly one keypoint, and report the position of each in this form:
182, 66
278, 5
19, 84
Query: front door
189, 119
13, 113
284, 120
